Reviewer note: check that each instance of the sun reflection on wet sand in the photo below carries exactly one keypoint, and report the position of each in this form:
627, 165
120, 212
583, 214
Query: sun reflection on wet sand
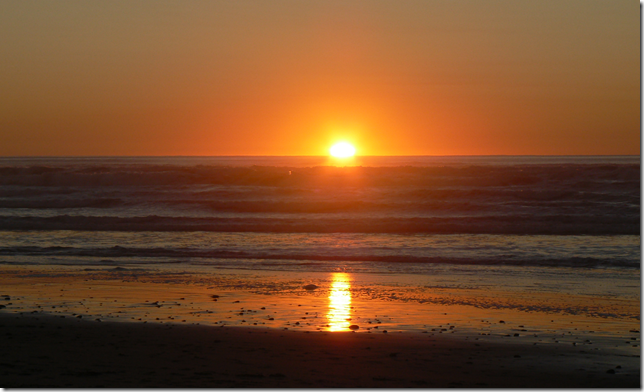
339, 302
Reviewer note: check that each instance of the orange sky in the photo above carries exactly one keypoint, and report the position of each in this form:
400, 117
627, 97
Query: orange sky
413, 77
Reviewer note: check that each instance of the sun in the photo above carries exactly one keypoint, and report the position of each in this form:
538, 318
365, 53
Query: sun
342, 150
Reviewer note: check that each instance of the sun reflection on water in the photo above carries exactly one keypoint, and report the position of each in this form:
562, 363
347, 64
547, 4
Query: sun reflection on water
339, 302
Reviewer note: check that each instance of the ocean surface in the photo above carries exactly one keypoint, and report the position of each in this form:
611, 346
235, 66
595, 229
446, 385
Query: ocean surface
270, 212
502, 218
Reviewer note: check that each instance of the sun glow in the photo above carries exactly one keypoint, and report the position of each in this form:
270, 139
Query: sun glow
342, 150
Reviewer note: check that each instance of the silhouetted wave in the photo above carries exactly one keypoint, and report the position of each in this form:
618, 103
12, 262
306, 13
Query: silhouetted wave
550, 224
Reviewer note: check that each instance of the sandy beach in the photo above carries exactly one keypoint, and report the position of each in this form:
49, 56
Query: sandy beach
70, 328
45, 351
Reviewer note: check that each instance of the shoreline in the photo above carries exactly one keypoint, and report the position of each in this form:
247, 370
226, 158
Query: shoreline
48, 351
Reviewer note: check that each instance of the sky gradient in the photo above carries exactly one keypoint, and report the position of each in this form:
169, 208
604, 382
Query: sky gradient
281, 77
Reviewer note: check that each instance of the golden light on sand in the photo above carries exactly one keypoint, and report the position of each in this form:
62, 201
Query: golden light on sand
342, 150
339, 303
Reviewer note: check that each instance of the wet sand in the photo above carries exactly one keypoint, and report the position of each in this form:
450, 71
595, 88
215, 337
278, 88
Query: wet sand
45, 351
71, 328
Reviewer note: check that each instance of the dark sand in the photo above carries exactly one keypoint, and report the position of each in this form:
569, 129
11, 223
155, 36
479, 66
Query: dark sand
50, 351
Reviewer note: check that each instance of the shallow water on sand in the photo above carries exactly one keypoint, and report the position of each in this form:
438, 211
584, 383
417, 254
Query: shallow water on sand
365, 303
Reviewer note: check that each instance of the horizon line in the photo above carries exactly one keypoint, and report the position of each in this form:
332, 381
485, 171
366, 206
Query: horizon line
317, 156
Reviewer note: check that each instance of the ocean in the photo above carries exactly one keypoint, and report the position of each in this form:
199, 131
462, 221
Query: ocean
553, 224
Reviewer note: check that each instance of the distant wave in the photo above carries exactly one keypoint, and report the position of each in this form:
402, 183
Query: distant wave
546, 224
259, 200
573, 175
